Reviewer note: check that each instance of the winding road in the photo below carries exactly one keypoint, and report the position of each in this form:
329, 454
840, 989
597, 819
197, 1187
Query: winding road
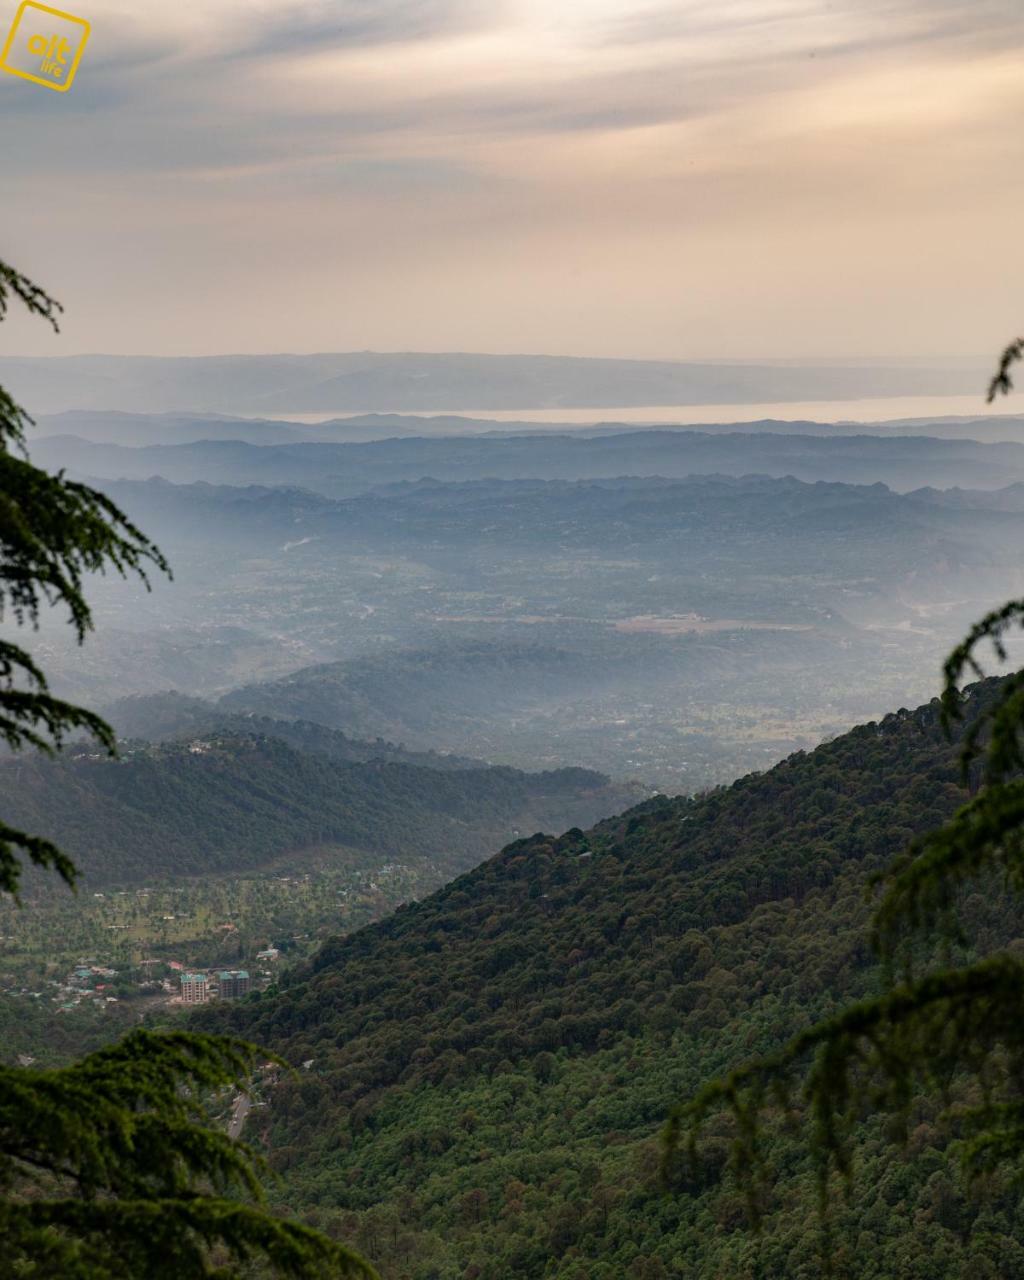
238, 1113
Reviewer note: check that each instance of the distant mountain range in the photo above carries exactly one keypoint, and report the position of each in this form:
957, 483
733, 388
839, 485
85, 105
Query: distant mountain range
425, 382
343, 470
136, 429
647, 515
143, 429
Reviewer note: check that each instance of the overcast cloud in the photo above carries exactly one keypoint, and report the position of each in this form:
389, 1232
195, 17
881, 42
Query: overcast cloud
724, 178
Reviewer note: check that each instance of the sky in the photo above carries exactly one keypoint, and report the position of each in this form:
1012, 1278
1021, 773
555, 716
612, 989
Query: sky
733, 179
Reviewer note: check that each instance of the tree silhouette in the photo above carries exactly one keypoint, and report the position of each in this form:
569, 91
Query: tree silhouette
106, 1167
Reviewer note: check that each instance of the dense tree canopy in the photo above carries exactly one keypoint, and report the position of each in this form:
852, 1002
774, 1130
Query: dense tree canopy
523, 1033
234, 803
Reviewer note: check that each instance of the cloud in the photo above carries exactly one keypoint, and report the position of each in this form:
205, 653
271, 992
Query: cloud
242, 85
572, 155
313, 28
781, 26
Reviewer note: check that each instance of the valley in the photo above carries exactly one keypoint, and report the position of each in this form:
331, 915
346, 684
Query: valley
435, 760
201, 852
512, 641
138, 941
679, 632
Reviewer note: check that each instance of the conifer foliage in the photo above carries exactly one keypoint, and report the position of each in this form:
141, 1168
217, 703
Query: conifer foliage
107, 1168
52, 532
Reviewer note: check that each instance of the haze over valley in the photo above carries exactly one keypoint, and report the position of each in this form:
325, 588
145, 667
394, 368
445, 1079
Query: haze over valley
668, 606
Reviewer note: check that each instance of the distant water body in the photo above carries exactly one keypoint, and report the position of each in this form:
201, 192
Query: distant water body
868, 410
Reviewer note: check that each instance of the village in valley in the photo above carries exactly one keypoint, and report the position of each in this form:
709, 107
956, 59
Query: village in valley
148, 985
74, 966
171, 982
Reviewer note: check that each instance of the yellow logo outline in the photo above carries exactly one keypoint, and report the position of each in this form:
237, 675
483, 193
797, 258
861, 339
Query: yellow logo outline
54, 13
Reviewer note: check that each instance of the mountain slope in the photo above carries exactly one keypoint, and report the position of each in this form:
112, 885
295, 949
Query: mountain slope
490, 1066
172, 716
236, 804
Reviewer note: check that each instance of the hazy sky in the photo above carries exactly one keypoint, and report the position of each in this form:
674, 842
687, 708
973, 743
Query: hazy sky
728, 178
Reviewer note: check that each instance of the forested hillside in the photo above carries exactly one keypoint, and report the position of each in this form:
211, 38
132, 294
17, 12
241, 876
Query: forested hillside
238, 803
491, 1066
171, 716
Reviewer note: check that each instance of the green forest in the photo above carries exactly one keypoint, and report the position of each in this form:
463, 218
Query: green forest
486, 1092
238, 803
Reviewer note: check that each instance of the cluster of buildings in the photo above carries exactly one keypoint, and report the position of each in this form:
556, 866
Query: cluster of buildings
197, 986
90, 984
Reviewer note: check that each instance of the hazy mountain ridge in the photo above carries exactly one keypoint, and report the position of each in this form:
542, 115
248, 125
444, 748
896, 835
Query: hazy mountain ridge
682, 630
344, 470
625, 507
172, 716
588, 512
144, 429
447, 381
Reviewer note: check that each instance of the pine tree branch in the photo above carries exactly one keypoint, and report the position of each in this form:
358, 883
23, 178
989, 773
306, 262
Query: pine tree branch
1002, 382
